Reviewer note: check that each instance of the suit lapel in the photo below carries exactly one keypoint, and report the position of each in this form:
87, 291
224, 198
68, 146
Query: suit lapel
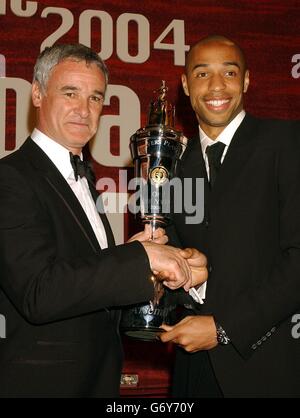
194, 165
192, 162
51, 174
239, 151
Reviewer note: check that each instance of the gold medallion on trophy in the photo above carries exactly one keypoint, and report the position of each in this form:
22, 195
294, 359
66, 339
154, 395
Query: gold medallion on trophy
159, 175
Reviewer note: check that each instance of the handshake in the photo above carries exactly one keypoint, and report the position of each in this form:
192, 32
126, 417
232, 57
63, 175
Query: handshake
173, 266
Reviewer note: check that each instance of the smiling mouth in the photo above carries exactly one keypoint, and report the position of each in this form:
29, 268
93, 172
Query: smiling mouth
217, 104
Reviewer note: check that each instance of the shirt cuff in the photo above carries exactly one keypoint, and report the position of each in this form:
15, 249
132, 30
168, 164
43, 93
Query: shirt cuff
198, 294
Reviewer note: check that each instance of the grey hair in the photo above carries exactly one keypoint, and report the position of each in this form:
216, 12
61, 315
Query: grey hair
52, 56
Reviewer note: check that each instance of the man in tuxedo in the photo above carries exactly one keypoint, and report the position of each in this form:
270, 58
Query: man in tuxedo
240, 342
62, 278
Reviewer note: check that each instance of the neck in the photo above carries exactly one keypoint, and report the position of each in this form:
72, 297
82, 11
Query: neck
212, 131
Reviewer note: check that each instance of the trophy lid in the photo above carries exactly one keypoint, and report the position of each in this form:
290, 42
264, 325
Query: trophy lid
161, 112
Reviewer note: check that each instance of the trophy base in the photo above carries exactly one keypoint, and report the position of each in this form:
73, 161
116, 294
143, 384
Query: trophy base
143, 321
142, 333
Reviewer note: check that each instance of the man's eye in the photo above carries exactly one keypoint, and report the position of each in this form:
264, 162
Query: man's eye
97, 99
201, 75
70, 94
230, 73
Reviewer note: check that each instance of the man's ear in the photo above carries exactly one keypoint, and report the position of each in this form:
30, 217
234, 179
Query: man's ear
184, 84
36, 94
246, 81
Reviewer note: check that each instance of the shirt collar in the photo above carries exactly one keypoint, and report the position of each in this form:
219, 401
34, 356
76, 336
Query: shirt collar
225, 136
59, 155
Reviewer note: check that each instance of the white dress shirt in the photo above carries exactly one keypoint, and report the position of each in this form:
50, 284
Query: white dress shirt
225, 136
60, 156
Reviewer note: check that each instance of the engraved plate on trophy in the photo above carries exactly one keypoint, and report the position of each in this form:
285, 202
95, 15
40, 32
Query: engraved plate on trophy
156, 150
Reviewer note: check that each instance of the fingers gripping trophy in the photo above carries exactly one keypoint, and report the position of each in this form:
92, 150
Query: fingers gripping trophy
156, 150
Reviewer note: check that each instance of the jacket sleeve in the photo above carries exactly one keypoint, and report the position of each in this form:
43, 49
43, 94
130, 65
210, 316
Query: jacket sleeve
42, 284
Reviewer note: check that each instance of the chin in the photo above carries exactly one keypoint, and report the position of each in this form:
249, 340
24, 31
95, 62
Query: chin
79, 141
222, 121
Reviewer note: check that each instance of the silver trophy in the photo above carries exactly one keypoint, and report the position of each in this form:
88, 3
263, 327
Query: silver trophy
156, 150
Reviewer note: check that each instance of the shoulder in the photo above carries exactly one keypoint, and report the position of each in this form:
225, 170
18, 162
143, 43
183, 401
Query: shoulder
275, 133
12, 168
19, 163
18, 201
16, 159
278, 125
269, 125
14, 175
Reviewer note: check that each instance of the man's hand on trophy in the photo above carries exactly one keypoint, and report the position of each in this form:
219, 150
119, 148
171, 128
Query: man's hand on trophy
198, 264
159, 235
168, 265
192, 333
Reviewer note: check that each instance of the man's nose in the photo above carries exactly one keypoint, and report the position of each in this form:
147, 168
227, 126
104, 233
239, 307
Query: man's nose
217, 82
83, 107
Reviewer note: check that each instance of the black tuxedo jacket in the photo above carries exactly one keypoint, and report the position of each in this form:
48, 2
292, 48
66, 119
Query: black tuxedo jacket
251, 234
59, 290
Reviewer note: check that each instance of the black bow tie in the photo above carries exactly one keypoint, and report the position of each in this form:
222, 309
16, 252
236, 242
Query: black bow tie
82, 168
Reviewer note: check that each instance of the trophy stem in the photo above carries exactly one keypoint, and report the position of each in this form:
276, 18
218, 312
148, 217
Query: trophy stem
155, 224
